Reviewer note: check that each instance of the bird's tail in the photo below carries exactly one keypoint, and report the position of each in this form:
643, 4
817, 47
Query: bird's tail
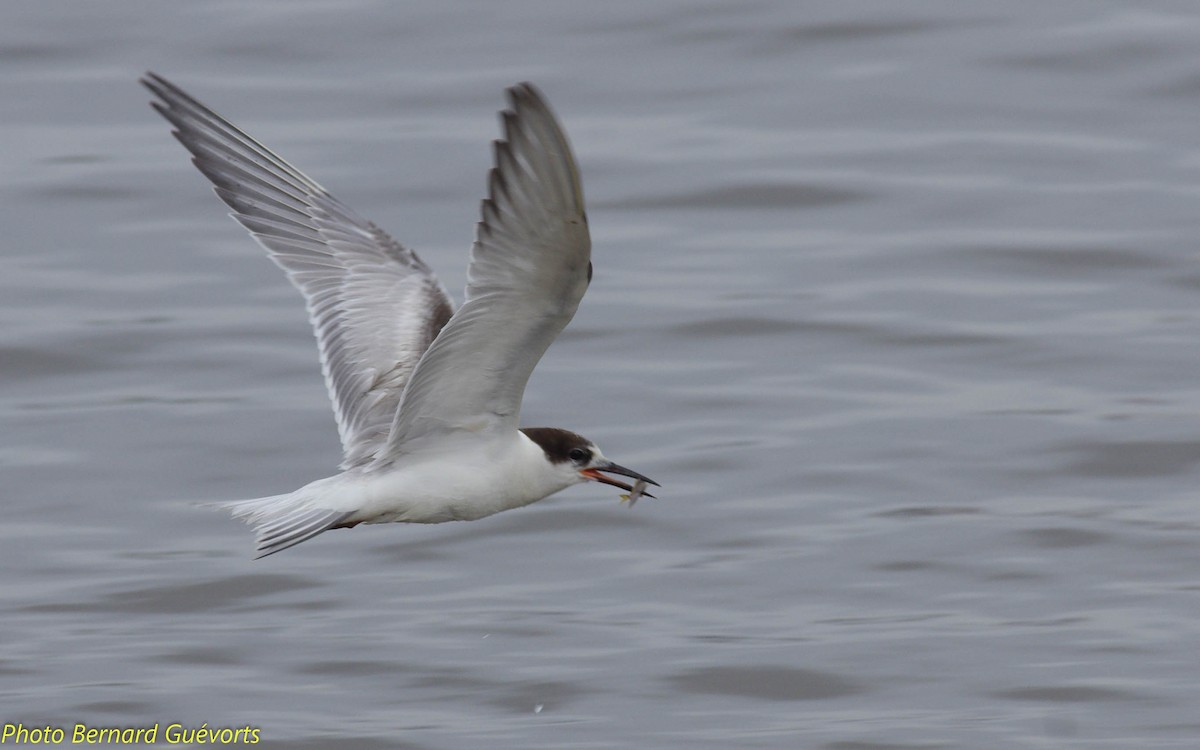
282, 521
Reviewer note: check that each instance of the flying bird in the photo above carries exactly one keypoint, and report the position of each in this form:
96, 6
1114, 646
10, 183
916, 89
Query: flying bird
427, 399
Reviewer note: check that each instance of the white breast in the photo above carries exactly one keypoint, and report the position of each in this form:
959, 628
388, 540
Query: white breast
462, 481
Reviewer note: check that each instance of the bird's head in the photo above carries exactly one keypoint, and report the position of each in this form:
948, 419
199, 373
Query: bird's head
578, 459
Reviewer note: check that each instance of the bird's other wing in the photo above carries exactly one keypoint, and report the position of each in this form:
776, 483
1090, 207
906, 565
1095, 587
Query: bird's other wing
530, 265
374, 305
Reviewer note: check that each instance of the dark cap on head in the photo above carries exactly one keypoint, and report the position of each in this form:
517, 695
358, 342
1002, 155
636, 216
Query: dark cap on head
557, 443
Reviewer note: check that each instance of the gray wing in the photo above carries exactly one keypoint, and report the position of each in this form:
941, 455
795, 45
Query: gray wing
374, 305
530, 265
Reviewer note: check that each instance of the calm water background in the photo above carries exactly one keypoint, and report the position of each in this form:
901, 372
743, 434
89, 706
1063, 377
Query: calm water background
900, 302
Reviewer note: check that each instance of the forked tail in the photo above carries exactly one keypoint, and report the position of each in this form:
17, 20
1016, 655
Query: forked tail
282, 521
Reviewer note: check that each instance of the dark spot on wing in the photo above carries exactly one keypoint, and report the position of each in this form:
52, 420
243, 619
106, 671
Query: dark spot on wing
438, 317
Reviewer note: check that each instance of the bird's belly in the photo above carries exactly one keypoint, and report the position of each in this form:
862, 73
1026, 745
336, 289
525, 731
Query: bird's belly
435, 493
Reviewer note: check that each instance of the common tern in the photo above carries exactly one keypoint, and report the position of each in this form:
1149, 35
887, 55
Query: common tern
427, 399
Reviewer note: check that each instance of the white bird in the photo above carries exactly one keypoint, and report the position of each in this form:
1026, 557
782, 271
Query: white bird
427, 400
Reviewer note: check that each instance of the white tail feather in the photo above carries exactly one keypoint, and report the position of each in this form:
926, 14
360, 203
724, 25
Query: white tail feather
282, 521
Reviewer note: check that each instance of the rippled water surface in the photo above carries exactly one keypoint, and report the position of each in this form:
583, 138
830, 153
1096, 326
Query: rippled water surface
899, 301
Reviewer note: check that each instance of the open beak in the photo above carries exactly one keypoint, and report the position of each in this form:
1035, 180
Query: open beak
595, 475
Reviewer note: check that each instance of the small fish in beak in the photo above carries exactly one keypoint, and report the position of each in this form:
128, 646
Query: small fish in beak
636, 490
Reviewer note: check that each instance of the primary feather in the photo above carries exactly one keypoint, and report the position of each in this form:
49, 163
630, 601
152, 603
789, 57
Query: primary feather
530, 266
375, 306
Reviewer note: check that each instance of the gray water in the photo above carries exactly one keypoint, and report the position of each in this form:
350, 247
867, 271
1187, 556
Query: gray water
899, 301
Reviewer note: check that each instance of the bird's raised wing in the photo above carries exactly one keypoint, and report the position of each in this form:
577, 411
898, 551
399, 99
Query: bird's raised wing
530, 265
374, 305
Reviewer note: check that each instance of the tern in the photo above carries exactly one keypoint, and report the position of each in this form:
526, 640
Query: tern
427, 399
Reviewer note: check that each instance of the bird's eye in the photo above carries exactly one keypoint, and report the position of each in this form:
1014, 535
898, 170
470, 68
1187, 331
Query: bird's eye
580, 455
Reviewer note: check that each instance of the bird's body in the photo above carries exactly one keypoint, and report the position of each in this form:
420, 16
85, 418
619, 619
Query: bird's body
427, 399
432, 488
